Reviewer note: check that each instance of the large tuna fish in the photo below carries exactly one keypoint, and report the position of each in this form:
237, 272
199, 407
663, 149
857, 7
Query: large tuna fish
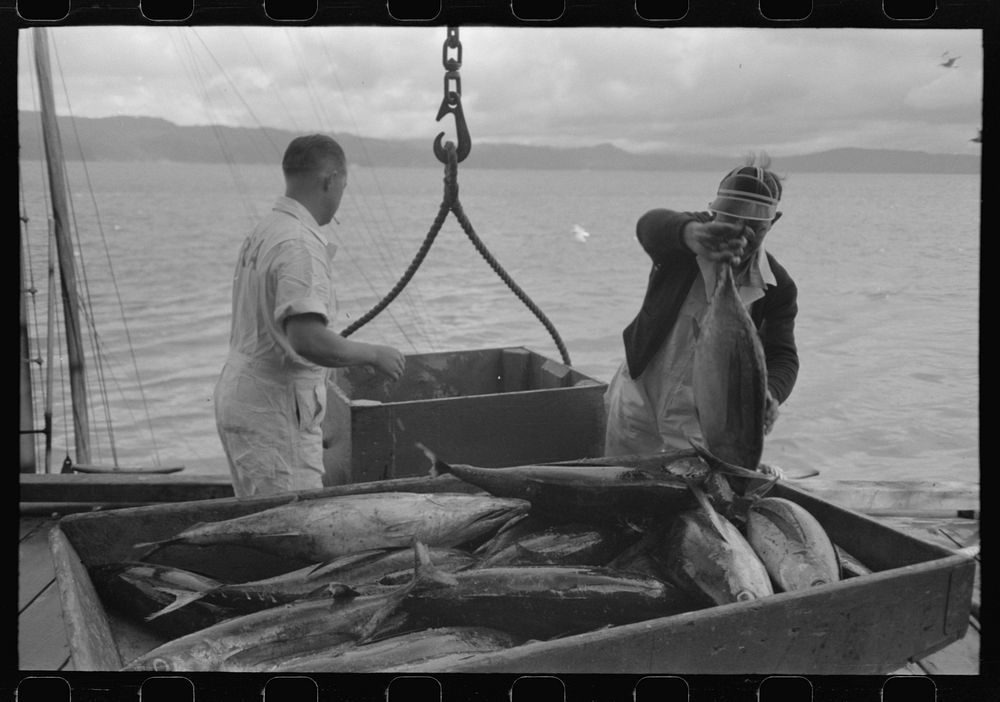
383, 566
589, 493
562, 544
243, 598
418, 648
322, 529
730, 377
792, 543
540, 601
645, 556
250, 641
707, 556
509, 534
137, 590
850, 567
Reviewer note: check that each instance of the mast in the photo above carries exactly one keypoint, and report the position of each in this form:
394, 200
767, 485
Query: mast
64, 248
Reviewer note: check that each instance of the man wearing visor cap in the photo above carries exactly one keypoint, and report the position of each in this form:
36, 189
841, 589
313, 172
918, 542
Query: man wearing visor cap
650, 401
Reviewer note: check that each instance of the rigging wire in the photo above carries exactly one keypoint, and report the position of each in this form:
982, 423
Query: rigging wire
197, 78
54, 310
51, 339
73, 233
418, 305
227, 155
31, 300
49, 350
118, 296
265, 130
289, 115
377, 244
384, 251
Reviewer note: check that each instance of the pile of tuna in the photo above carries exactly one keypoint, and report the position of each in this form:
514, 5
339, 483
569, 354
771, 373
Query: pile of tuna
414, 581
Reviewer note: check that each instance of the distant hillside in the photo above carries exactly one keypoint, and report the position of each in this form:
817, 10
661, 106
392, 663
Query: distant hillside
152, 139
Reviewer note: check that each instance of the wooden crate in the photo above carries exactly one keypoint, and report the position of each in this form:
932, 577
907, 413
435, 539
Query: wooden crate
917, 602
490, 407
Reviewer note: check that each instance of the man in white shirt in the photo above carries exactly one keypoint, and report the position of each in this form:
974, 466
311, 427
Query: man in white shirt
270, 399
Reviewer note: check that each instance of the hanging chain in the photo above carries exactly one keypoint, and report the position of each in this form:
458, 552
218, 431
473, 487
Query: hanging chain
452, 101
451, 65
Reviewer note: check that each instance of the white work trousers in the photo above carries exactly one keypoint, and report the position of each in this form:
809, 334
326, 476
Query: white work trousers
270, 424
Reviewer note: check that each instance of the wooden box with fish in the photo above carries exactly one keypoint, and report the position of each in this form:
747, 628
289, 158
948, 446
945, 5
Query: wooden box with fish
491, 407
909, 599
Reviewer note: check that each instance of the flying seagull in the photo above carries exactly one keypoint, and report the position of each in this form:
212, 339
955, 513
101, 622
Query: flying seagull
949, 61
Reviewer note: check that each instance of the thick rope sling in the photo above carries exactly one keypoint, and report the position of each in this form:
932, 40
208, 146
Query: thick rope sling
451, 203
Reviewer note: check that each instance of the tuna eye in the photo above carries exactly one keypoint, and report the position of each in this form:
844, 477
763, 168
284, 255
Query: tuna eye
745, 596
821, 581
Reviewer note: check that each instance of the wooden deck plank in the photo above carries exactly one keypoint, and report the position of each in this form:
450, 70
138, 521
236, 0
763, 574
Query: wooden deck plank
129, 488
950, 533
36, 570
29, 524
42, 640
42, 643
896, 497
929, 528
968, 538
960, 658
963, 540
911, 668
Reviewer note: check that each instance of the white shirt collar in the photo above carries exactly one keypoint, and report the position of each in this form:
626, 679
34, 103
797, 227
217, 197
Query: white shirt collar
294, 208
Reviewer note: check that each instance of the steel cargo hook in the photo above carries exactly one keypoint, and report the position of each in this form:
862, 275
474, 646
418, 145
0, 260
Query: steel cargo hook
453, 104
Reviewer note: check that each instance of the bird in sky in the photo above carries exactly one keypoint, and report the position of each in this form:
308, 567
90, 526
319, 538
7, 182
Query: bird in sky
949, 61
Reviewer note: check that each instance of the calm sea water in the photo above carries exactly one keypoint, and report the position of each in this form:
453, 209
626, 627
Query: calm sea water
887, 268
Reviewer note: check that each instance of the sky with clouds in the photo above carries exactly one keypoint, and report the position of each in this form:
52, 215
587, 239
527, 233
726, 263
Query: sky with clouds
689, 89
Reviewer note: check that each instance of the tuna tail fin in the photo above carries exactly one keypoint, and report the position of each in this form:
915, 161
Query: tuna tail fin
782, 474
350, 559
438, 467
761, 490
182, 599
717, 464
724, 276
526, 555
709, 510
154, 546
333, 590
714, 462
425, 570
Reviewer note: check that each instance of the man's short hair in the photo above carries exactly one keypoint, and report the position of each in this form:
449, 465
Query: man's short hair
311, 154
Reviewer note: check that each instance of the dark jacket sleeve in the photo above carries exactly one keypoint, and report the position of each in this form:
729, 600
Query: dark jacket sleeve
775, 319
660, 233
673, 271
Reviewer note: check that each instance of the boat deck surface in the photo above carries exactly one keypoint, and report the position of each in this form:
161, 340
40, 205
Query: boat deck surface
43, 643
